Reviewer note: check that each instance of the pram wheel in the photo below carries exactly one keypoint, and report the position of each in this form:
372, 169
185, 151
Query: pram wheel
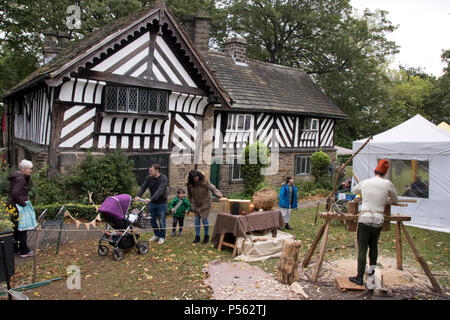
142, 247
118, 254
102, 250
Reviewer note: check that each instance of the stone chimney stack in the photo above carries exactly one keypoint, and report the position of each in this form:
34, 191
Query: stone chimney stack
197, 28
54, 43
237, 48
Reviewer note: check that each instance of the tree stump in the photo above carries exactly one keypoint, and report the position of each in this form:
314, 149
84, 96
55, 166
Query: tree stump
288, 264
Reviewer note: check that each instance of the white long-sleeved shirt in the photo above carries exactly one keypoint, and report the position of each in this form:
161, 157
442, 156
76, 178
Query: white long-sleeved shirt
376, 192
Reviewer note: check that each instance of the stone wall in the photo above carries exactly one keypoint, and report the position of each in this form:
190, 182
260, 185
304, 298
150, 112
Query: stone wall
69, 160
286, 168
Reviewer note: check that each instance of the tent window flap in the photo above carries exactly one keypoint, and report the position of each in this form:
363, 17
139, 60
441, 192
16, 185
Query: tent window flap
411, 178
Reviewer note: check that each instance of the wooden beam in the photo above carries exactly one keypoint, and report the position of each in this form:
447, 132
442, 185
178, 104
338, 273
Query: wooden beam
146, 83
323, 244
53, 150
313, 246
151, 51
398, 245
421, 261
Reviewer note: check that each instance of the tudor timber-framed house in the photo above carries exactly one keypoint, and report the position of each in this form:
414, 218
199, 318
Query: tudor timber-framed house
150, 87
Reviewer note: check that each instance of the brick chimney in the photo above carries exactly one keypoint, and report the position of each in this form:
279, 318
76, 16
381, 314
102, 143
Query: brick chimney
54, 43
197, 28
237, 48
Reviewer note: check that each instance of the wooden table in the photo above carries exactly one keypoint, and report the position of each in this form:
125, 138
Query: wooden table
239, 225
323, 231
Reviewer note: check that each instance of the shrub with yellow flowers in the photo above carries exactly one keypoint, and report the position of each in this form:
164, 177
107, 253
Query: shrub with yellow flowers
6, 212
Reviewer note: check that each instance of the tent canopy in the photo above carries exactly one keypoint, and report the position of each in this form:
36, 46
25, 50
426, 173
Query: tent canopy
416, 142
414, 136
343, 151
444, 126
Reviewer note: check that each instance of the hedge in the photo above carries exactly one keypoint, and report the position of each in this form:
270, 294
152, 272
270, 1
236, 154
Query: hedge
78, 211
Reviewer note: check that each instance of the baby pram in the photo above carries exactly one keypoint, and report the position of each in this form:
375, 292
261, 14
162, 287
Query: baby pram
121, 232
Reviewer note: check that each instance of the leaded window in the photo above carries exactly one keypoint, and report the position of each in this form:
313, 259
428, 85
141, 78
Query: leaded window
134, 100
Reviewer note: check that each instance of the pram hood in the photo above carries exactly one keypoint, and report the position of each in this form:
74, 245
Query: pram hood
116, 207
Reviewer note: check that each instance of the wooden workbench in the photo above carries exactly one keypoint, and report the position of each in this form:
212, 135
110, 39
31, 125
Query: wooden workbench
323, 232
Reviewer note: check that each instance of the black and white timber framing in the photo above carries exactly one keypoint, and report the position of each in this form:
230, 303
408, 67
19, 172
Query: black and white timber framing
275, 130
66, 105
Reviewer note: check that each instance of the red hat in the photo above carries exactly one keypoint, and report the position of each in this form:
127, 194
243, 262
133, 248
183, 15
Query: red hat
383, 166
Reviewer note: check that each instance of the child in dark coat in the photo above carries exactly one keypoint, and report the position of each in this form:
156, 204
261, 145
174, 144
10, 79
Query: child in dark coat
179, 206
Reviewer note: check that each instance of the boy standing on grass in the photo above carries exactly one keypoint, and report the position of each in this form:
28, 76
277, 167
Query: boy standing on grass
179, 206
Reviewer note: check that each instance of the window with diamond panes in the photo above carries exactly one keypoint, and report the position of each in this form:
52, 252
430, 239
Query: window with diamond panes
143, 98
111, 98
122, 100
163, 99
134, 100
152, 101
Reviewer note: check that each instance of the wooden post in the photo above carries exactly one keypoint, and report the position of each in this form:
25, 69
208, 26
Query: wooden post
235, 248
421, 261
313, 246
398, 245
36, 240
322, 250
287, 266
317, 212
57, 118
222, 236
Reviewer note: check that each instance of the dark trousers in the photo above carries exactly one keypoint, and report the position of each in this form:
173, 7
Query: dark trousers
20, 241
367, 239
174, 224
158, 212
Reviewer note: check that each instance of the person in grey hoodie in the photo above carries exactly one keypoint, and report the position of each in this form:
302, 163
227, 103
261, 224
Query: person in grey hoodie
18, 194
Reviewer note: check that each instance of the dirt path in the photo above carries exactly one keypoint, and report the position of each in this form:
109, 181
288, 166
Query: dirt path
239, 280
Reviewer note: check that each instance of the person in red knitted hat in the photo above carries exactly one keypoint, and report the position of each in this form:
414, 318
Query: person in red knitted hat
376, 192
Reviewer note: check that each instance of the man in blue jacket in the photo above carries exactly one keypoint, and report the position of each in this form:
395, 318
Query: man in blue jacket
288, 200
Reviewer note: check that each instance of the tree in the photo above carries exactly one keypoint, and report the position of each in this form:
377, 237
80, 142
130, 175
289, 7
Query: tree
438, 106
344, 54
408, 93
255, 157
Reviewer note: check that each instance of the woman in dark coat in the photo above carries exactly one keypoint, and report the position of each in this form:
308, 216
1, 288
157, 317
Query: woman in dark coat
199, 194
18, 194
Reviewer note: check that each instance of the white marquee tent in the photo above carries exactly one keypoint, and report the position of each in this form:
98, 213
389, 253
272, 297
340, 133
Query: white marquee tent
415, 143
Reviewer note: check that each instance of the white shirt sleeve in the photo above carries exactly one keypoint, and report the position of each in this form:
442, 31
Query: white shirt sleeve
357, 188
392, 193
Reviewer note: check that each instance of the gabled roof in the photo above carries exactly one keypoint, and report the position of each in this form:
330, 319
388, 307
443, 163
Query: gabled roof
107, 38
270, 87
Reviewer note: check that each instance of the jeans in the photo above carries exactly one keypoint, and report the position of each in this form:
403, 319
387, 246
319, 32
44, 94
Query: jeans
158, 212
197, 226
175, 221
367, 238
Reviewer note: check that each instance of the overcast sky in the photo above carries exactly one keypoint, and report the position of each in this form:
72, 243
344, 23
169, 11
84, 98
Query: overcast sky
423, 30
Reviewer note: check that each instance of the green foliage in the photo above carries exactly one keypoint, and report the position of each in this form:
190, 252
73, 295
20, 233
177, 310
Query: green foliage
255, 157
311, 188
320, 162
47, 190
78, 211
5, 171
105, 176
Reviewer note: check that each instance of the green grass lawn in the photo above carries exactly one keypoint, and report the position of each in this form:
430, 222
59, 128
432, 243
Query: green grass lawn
174, 270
